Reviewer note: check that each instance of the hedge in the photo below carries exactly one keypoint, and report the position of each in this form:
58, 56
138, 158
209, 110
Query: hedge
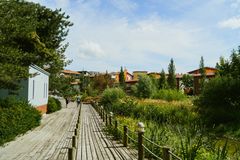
53, 105
16, 117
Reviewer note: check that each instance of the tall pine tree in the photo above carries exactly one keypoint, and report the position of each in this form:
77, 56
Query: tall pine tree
202, 72
162, 80
171, 79
121, 78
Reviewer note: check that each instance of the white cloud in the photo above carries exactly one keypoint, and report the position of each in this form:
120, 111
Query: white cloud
233, 23
102, 40
134, 44
89, 49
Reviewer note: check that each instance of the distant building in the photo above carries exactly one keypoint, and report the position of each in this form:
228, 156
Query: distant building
34, 89
210, 73
137, 74
115, 75
72, 74
154, 75
69, 73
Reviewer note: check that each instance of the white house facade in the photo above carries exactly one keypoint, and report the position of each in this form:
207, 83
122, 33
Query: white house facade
34, 89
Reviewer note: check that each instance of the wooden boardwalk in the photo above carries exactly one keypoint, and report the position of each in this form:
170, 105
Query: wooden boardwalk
94, 144
51, 140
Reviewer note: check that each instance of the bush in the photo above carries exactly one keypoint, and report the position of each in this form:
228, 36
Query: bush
169, 95
16, 117
145, 87
111, 95
220, 100
53, 105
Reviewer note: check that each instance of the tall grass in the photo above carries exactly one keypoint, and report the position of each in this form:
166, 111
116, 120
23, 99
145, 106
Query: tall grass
169, 95
171, 123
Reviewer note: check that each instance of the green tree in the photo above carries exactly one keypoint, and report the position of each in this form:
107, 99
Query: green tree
202, 73
30, 34
162, 80
102, 81
84, 82
223, 67
219, 101
187, 81
171, 79
62, 86
122, 78
145, 87
231, 67
235, 64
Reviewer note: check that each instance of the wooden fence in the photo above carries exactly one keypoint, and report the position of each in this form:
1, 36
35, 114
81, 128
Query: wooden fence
72, 151
135, 137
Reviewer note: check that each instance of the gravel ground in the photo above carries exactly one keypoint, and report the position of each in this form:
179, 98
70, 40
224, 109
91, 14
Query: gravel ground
48, 141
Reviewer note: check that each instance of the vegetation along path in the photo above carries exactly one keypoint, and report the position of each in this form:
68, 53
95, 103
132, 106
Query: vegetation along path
48, 141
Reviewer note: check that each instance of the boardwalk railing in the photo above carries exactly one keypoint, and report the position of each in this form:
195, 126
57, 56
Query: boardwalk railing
72, 151
135, 138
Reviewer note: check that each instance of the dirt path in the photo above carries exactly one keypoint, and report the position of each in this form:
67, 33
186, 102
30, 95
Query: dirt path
48, 141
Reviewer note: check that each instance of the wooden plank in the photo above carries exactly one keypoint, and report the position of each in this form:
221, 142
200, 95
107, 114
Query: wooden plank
118, 151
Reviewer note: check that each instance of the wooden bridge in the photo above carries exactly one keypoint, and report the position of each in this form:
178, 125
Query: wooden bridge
53, 138
78, 133
94, 144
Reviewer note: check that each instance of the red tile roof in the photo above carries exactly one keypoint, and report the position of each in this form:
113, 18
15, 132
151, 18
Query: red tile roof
70, 72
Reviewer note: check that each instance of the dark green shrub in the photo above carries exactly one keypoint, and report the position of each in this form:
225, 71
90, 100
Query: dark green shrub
220, 100
111, 95
53, 105
169, 95
124, 106
145, 87
16, 117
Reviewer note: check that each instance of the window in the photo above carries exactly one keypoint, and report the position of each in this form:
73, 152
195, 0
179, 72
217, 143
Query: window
44, 90
33, 89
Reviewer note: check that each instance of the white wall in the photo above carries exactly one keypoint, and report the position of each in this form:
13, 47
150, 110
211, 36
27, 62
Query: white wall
38, 87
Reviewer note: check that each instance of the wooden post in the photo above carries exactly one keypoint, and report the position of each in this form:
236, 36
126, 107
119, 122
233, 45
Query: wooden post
166, 154
106, 119
76, 125
103, 117
74, 141
140, 141
76, 132
116, 129
125, 138
110, 118
116, 124
71, 153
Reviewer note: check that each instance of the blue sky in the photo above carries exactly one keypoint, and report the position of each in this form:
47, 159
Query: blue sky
146, 34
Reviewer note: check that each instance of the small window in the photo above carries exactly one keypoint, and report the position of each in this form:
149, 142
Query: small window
33, 89
44, 88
